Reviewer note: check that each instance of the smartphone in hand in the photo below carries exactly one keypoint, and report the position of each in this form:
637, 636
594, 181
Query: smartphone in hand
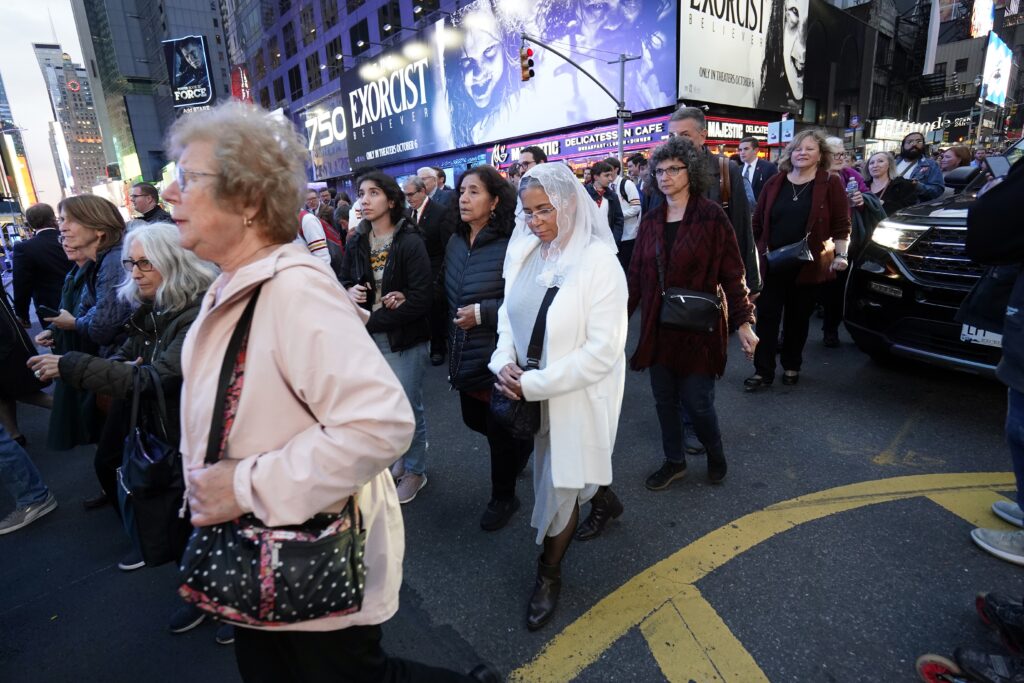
47, 312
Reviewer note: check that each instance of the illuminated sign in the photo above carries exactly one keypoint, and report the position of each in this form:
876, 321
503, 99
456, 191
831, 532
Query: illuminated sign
188, 64
998, 66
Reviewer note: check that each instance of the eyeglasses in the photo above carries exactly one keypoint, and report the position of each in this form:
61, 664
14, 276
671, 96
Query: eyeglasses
839, 155
143, 264
526, 165
181, 177
539, 213
133, 197
410, 195
671, 171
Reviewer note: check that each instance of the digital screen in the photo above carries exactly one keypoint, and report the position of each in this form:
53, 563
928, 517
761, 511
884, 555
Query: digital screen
998, 66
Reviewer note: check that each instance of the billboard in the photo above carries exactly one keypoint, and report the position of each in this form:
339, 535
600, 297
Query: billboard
457, 85
747, 54
188, 65
240, 86
326, 128
983, 16
998, 67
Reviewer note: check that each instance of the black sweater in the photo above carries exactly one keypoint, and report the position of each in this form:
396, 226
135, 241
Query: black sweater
474, 275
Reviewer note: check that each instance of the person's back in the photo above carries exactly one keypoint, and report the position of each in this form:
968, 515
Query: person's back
39, 263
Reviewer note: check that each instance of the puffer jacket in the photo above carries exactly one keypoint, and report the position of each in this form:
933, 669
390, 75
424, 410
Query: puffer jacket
407, 271
104, 322
473, 275
157, 339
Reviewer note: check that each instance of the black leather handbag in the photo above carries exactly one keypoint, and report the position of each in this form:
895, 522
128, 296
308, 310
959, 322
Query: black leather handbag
151, 465
520, 417
686, 309
790, 256
249, 573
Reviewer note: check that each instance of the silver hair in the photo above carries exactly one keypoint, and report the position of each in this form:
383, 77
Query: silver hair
416, 182
888, 157
186, 276
694, 113
429, 169
835, 144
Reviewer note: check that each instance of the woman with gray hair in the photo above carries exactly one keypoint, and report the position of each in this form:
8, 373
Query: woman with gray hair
165, 284
687, 242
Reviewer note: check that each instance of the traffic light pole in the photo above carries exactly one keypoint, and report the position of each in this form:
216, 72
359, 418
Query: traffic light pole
620, 101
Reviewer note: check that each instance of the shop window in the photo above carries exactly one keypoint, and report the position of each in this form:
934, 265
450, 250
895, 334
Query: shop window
389, 17
360, 33
308, 25
329, 13
295, 82
335, 65
313, 74
290, 47
274, 51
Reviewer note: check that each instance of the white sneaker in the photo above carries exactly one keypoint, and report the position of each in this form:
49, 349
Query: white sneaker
409, 485
1009, 511
1006, 545
21, 517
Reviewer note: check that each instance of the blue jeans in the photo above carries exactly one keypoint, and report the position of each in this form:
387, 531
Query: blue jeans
19, 473
674, 392
1015, 438
410, 366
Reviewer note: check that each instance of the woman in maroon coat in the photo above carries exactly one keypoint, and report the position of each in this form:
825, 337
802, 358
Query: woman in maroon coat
803, 199
694, 240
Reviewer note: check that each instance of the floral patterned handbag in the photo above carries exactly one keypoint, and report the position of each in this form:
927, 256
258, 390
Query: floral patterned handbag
246, 572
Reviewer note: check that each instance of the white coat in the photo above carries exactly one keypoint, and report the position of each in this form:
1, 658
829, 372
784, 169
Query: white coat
583, 369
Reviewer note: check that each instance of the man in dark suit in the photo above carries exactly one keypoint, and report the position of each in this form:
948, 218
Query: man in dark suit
437, 223
40, 264
756, 171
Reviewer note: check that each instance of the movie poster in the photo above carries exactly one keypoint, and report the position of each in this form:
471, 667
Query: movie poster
188, 67
458, 84
748, 53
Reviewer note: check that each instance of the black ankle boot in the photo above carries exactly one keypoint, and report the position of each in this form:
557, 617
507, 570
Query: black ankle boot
545, 595
717, 466
604, 506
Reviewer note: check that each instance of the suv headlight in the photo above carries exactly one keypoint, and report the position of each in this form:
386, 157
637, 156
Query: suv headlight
897, 236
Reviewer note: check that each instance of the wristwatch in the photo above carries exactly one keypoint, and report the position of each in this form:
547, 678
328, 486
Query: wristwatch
842, 256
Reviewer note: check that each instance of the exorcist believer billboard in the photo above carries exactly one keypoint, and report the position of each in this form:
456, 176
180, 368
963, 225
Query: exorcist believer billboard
746, 53
458, 83
188, 65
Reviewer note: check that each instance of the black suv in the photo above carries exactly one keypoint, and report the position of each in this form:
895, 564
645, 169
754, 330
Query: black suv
906, 286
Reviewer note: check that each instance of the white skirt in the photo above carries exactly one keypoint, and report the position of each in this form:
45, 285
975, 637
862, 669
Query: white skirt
552, 507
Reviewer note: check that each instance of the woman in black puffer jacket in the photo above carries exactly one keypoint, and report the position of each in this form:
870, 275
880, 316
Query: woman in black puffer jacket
474, 287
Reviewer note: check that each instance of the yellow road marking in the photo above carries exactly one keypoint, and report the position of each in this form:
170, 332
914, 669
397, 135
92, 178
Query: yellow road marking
973, 506
673, 578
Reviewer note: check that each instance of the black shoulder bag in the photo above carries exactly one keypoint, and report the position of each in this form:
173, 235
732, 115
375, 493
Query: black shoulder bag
685, 309
520, 417
246, 572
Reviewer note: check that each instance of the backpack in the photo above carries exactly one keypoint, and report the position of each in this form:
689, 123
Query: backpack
335, 245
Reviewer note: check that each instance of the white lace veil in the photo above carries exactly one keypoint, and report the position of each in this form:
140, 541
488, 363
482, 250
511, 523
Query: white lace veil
579, 221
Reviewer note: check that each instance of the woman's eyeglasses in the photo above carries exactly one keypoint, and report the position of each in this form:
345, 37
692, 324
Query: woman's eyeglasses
671, 171
143, 264
539, 213
181, 177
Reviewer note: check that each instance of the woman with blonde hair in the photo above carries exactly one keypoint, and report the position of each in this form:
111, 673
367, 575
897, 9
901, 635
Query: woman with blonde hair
804, 208
894, 191
306, 438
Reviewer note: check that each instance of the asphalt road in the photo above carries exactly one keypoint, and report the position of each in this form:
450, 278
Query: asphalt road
852, 596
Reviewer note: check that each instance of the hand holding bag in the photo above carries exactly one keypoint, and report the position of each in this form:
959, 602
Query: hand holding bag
246, 572
519, 416
685, 309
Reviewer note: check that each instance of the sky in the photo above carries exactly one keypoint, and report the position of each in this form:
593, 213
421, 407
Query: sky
25, 23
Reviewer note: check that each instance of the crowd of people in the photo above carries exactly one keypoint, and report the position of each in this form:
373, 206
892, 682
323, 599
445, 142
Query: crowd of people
524, 283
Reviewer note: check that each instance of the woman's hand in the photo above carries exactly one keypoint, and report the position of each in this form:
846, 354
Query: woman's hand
45, 367
211, 494
45, 338
748, 340
465, 318
840, 263
357, 293
393, 300
508, 381
64, 321
857, 199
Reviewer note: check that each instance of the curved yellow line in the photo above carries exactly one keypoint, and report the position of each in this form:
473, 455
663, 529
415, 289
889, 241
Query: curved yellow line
583, 641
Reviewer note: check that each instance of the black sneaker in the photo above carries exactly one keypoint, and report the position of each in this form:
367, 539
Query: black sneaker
131, 562
186, 618
668, 473
485, 673
498, 513
1004, 614
985, 666
225, 634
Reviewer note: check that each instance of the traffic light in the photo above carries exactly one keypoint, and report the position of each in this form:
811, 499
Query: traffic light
526, 62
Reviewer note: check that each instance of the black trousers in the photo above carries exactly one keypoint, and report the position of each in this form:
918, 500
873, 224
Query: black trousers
784, 302
626, 253
351, 655
508, 455
832, 294
438, 321
110, 448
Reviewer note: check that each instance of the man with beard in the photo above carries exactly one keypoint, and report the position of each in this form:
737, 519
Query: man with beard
918, 167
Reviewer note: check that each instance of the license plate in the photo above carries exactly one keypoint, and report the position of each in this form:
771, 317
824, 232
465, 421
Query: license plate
976, 335
888, 290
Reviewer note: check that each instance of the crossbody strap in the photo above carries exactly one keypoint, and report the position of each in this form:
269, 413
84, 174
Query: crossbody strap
725, 181
232, 361
536, 348
161, 401
661, 268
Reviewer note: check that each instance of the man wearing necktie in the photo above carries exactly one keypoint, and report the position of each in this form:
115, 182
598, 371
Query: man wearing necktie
756, 171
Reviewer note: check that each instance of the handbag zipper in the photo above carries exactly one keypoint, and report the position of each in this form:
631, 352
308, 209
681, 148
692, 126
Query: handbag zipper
682, 298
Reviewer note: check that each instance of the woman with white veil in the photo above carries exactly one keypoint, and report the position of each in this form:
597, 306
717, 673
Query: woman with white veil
560, 241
